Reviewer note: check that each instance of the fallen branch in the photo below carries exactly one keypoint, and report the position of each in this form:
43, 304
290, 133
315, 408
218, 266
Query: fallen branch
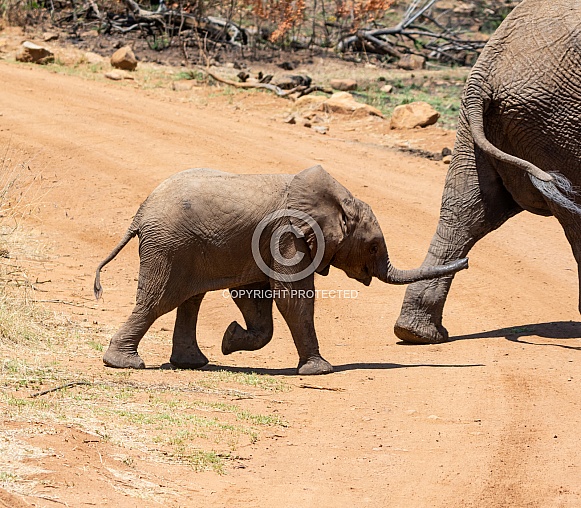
300, 90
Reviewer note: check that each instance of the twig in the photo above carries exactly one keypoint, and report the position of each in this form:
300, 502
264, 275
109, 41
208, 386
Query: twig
47, 498
316, 387
67, 385
73, 304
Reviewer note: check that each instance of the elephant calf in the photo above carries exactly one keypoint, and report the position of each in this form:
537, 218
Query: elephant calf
203, 230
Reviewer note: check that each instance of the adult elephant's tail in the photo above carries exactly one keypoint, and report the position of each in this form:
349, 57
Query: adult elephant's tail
131, 232
553, 186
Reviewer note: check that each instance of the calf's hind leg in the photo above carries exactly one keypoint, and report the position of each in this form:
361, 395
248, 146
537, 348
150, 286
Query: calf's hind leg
153, 301
122, 351
185, 351
257, 314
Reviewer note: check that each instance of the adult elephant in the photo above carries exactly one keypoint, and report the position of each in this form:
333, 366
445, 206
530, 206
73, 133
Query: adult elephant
517, 148
263, 235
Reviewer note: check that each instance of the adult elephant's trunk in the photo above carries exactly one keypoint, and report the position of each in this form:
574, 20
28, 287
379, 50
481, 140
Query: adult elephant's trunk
392, 275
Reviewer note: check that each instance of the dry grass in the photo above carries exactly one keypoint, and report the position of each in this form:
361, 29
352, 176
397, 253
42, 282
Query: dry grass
196, 418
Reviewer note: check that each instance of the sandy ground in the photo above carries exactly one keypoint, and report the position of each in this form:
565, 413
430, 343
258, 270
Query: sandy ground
489, 419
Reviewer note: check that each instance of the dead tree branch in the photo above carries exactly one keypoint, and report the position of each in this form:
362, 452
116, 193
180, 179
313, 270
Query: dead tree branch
441, 40
300, 90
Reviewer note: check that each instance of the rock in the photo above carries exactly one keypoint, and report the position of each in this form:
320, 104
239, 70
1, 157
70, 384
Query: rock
118, 75
182, 85
287, 66
307, 102
344, 85
416, 114
411, 62
321, 129
124, 58
291, 119
447, 159
446, 151
114, 75
344, 104
386, 89
314, 117
30, 52
49, 36
93, 58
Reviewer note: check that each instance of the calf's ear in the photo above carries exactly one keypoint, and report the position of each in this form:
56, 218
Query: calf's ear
331, 206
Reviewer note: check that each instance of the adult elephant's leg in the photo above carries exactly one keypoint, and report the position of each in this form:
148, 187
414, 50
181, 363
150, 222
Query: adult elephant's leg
186, 353
256, 309
298, 308
570, 223
474, 203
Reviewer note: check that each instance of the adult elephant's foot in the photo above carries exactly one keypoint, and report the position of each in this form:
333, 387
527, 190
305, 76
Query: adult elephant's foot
413, 332
314, 366
189, 359
119, 359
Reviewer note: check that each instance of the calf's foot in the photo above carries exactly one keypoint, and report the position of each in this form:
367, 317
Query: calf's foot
233, 338
120, 359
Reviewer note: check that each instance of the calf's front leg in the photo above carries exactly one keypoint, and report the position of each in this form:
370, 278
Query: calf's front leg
256, 309
296, 303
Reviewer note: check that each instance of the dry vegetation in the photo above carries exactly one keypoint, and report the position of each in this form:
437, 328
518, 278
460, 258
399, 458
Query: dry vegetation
201, 423
200, 31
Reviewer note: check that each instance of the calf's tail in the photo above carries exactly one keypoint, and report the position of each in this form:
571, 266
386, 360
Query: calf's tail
131, 232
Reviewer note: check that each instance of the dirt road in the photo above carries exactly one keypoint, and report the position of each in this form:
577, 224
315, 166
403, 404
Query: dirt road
491, 418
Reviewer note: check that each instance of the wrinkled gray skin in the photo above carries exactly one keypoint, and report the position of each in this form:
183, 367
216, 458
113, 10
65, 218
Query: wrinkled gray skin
518, 147
195, 234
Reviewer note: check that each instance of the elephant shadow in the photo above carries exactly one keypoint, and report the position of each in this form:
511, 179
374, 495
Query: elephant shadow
563, 330
336, 368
